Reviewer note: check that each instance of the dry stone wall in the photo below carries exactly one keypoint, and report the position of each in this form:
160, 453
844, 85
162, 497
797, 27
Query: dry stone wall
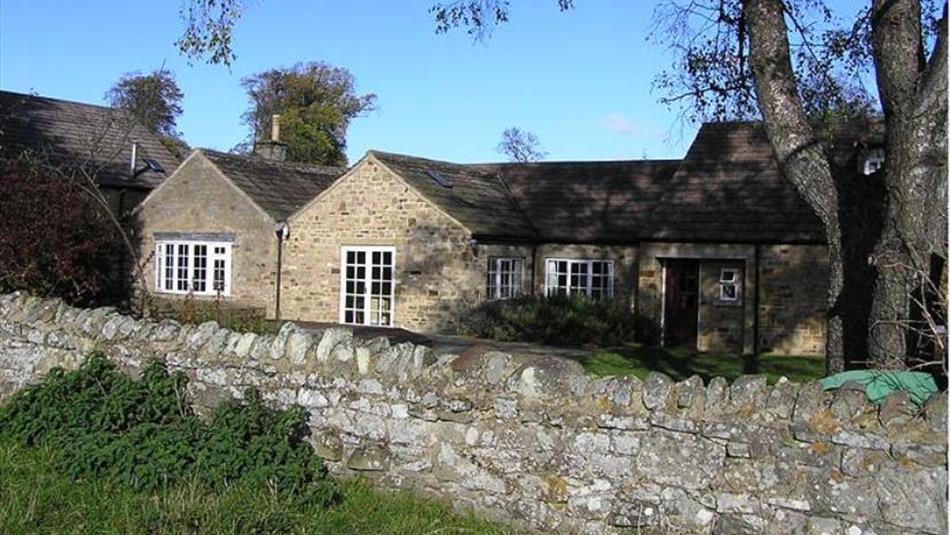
535, 441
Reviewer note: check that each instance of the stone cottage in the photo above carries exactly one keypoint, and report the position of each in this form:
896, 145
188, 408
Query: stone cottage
718, 248
104, 144
214, 228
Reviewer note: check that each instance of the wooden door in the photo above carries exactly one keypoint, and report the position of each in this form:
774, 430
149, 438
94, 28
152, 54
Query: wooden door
681, 302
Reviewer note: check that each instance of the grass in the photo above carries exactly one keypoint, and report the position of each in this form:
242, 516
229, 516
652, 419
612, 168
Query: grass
680, 364
34, 498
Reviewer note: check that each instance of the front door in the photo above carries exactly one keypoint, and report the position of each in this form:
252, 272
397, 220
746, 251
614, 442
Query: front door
367, 285
681, 302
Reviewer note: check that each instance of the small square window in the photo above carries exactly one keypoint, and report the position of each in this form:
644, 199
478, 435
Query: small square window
729, 285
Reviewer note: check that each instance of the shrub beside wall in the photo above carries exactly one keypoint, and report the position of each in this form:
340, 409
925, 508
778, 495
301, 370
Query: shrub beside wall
533, 439
144, 434
561, 321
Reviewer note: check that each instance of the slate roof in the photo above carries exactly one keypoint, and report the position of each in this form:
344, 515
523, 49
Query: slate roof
96, 138
729, 188
477, 198
279, 188
589, 202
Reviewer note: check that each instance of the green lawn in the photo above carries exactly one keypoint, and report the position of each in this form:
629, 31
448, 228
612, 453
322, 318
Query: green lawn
36, 499
681, 363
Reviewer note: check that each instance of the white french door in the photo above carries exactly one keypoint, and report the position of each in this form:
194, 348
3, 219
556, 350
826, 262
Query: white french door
367, 285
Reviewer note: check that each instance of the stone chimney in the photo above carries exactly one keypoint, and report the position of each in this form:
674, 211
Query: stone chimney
273, 149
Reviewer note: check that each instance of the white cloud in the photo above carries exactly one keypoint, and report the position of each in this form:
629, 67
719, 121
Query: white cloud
619, 124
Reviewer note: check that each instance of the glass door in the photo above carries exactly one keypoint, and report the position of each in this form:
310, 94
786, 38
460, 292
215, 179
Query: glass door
367, 285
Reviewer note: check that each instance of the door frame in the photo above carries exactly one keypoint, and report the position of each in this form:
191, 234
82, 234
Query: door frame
664, 262
369, 250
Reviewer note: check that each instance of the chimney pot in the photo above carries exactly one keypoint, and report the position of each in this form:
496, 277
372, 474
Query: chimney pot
273, 148
275, 127
133, 158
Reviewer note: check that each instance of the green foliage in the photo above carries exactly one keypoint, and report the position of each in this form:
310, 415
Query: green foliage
153, 98
37, 498
143, 434
680, 364
559, 320
316, 103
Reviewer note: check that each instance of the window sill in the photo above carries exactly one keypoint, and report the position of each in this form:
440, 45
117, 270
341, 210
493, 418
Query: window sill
192, 294
727, 304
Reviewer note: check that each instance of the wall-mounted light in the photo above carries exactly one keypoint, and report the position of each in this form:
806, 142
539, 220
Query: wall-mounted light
473, 245
282, 230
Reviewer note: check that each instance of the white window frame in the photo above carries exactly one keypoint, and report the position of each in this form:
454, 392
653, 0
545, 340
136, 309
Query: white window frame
574, 290
733, 281
493, 289
874, 160
210, 257
369, 250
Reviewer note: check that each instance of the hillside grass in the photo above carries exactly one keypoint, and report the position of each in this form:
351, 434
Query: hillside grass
680, 364
35, 498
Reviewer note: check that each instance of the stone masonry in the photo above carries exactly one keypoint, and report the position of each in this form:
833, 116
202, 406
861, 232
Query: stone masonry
792, 295
182, 205
533, 440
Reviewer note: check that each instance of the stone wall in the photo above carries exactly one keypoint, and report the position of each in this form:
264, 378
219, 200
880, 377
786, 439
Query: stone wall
721, 324
535, 441
181, 205
793, 299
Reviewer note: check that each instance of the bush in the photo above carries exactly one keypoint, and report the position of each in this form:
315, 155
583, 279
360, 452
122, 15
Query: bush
559, 320
192, 311
230, 317
54, 240
143, 434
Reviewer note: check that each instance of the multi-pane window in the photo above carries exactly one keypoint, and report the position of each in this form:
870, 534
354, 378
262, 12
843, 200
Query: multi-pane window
729, 285
183, 267
593, 278
505, 278
367, 285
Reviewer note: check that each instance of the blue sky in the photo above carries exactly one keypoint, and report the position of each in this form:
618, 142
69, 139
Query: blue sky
579, 80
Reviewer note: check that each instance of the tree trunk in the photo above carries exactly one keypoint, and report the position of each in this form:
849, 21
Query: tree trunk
914, 98
797, 148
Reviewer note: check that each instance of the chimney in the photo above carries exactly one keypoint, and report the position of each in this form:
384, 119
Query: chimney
273, 149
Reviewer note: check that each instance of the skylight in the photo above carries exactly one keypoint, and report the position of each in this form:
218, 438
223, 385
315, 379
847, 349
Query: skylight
440, 180
153, 165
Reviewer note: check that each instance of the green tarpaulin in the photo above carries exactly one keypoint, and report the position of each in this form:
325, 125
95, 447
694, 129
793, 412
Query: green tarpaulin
879, 383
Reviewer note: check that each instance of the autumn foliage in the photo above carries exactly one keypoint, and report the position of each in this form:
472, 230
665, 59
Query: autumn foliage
54, 239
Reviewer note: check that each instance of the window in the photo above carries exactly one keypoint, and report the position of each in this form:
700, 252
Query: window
593, 278
873, 161
505, 277
729, 285
367, 285
182, 267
